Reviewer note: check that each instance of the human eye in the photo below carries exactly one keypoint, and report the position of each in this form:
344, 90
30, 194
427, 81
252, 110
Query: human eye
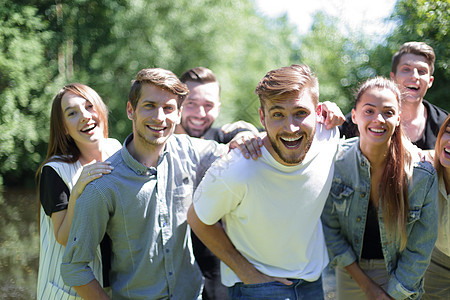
277, 115
368, 111
389, 113
169, 108
405, 69
302, 113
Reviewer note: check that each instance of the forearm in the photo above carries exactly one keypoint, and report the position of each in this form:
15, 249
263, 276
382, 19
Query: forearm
63, 231
367, 285
92, 290
215, 238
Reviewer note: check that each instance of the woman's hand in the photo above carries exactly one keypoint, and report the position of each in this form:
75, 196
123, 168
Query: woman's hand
89, 173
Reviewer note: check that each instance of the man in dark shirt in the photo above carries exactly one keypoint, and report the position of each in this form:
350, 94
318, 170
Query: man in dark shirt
200, 110
412, 70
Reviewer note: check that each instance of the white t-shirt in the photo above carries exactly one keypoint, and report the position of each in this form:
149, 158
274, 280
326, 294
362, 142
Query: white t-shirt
271, 212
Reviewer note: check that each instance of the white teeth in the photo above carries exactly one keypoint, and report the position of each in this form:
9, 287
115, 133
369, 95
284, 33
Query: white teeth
413, 87
197, 123
377, 130
89, 128
292, 139
156, 128
447, 150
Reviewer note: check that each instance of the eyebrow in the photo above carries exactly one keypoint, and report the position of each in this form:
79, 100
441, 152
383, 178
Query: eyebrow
373, 105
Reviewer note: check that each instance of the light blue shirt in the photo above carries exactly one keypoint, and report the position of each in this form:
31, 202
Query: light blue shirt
143, 210
345, 213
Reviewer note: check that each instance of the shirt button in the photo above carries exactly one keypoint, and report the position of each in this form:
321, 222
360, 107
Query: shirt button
363, 164
363, 195
358, 219
167, 250
356, 241
170, 273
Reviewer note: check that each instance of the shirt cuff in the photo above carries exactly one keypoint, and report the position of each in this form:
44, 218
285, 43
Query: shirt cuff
76, 274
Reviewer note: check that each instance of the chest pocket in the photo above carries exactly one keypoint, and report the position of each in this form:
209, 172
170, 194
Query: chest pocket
182, 195
341, 195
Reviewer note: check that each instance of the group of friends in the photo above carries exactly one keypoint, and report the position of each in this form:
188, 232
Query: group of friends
184, 210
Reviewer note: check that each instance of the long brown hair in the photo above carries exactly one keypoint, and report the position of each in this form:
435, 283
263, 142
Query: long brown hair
394, 182
437, 151
61, 146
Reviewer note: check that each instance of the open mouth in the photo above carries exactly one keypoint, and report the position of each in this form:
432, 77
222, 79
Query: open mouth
447, 151
291, 142
156, 128
197, 123
412, 88
377, 130
89, 128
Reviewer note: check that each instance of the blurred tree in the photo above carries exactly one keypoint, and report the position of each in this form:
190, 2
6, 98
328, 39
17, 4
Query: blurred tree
340, 61
24, 78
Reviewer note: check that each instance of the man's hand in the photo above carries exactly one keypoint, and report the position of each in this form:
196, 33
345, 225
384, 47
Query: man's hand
248, 143
331, 114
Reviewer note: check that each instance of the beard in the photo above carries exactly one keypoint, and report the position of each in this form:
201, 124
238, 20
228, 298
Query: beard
292, 160
197, 133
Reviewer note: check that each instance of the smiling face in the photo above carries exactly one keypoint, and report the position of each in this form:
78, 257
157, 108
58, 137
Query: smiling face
201, 107
154, 117
290, 125
444, 148
81, 120
413, 77
377, 115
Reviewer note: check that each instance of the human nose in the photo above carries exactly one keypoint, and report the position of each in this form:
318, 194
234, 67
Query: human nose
159, 115
379, 118
292, 125
415, 73
86, 115
201, 111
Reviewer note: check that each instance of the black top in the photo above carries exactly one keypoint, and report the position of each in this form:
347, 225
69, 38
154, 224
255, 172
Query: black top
53, 191
216, 134
372, 241
435, 118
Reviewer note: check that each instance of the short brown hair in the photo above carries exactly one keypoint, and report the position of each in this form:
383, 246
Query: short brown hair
161, 78
287, 81
417, 48
199, 74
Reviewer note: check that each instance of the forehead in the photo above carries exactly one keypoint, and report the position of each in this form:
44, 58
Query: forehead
292, 101
415, 60
152, 93
203, 91
70, 99
379, 96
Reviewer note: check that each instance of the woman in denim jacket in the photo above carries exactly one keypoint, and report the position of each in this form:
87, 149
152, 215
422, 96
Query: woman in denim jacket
380, 238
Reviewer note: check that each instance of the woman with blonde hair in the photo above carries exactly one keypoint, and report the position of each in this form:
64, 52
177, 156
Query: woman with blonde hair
78, 145
380, 216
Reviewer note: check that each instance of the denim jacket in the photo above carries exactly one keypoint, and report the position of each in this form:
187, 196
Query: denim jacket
344, 219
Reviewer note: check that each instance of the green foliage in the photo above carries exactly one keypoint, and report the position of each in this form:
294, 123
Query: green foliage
46, 44
429, 22
23, 78
340, 62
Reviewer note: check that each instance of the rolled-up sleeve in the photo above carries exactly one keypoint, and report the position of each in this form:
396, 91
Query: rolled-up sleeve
88, 228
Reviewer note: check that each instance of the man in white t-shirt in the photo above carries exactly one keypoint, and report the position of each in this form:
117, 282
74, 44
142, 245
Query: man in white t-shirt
271, 243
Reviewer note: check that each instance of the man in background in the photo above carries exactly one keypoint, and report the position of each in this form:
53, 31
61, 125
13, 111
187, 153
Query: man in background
412, 70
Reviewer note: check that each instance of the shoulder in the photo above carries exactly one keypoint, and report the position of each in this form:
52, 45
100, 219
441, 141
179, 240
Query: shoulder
435, 112
425, 167
232, 166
